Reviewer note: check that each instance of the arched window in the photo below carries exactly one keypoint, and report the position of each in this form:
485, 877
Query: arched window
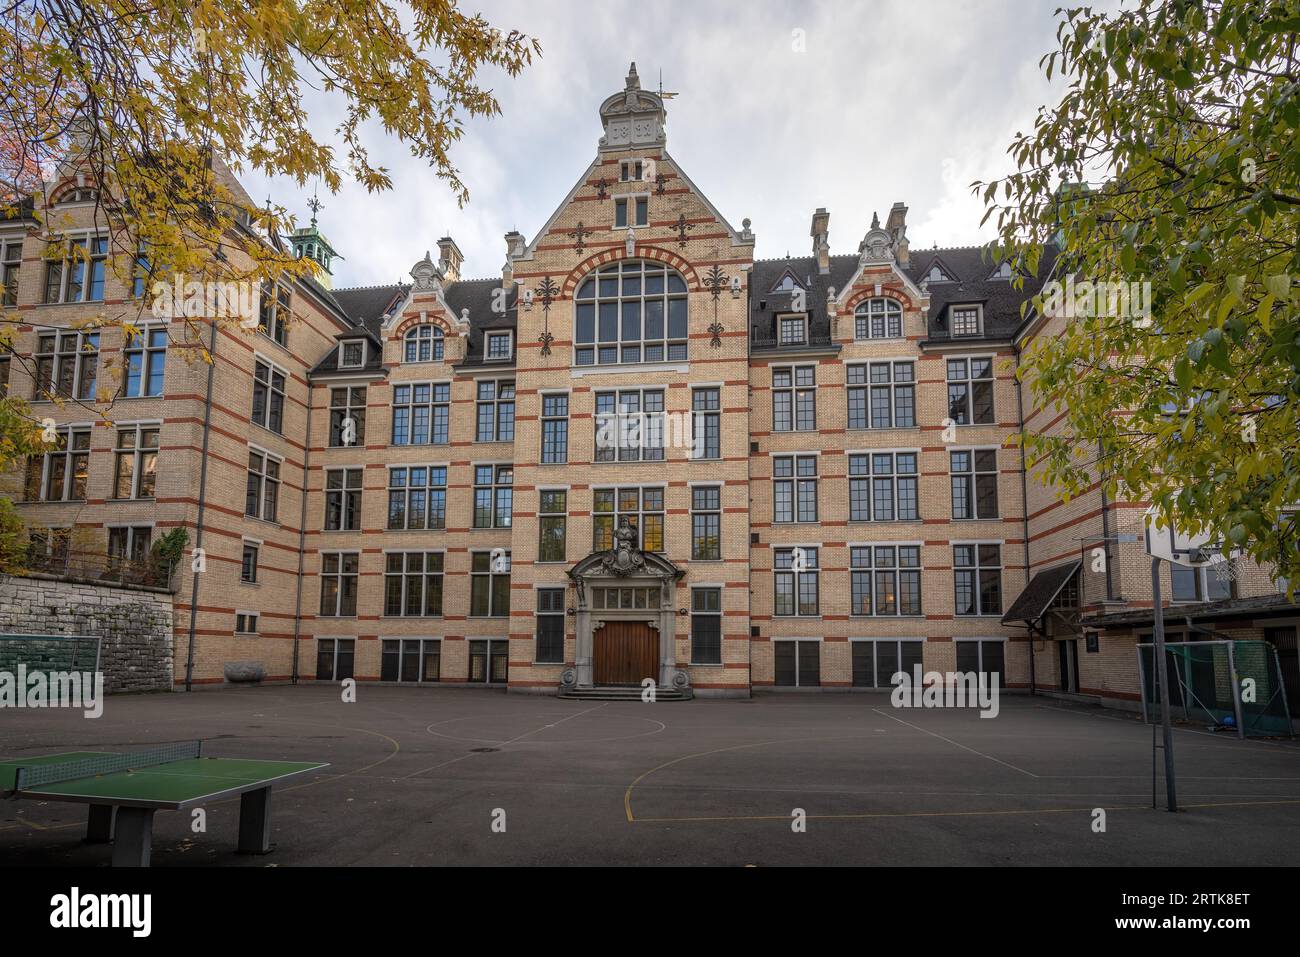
878, 319
630, 311
423, 344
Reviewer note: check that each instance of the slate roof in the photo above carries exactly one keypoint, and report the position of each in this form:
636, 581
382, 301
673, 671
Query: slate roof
967, 265
1257, 605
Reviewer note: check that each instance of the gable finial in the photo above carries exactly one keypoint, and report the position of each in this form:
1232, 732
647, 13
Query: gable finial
633, 81
875, 220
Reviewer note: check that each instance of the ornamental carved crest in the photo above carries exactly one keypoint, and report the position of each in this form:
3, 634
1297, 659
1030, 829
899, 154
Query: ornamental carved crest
625, 557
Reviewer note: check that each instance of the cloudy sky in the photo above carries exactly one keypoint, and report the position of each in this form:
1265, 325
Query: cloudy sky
885, 100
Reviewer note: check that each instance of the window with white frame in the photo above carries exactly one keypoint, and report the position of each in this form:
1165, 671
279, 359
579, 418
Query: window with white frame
970, 390
630, 425
417, 497
246, 622
410, 659
249, 562
794, 488
496, 411
423, 343
965, 320
11, 261
885, 579
59, 475
882, 395
706, 523
493, 495
145, 356
878, 319
339, 575
642, 507
883, 487
637, 206
335, 658
67, 365
498, 346
413, 584
555, 428
128, 543
794, 399
876, 661
552, 524
974, 483
352, 354
550, 626
706, 626
421, 413
1209, 583
706, 406
343, 500
489, 584
792, 330
268, 396
74, 270
977, 576
630, 171
135, 461
630, 311
347, 404
796, 580
274, 312
263, 494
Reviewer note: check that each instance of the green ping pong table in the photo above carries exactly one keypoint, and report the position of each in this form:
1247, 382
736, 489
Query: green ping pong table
124, 791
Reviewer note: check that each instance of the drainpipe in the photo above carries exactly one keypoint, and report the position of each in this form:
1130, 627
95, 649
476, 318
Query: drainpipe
203, 492
302, 538
1024, 510
1105, 531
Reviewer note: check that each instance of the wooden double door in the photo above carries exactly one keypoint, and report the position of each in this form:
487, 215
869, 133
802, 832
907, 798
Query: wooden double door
625, 653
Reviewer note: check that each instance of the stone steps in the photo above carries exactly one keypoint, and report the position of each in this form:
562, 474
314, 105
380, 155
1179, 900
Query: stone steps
620, 693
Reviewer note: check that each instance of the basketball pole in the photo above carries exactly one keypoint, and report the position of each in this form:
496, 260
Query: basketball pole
1162, 680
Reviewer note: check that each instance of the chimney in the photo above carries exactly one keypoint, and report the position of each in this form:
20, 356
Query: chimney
449, 259
514, 249
896, 226
821, 236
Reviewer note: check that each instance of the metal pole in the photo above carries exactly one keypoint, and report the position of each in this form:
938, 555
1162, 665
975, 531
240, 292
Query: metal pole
1236, 691
1162, 679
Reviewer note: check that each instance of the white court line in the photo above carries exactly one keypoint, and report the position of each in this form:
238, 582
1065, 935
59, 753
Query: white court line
955, 744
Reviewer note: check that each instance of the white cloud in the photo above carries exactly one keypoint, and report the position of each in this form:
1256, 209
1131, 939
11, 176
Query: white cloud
890, 100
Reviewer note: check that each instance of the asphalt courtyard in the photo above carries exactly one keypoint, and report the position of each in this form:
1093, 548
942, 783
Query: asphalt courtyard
422, 776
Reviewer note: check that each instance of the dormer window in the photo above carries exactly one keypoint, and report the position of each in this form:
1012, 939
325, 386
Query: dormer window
352, 355
878, 319
793, 331
424, 344
78, 194
936, 274
498, 346
965, 320
1002, 272
787, 284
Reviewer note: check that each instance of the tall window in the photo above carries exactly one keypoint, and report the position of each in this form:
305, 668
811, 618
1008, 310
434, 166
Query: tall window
630, 425
145, 355
76, 271
67, 364
347, 403
883, 487
413, 584
135, 462
339, 572
420, 413
794, 488
141, 269
885, 579
639, 207
489, 586
794, 399
274, 312
878, 319
630, 311
417, 497
552, 521
128, 543
643, 507
876, 662
11, 261
555, 429
796, 582
550, 626
970, 391
965, 320
882, 395
334, 658
60, 474
342, 500
248, 563
423, 344
974, 483
706, 626
977, 573
263, 496
496, 411
493, 495
706, 404
706, 523
268, 396
4, 374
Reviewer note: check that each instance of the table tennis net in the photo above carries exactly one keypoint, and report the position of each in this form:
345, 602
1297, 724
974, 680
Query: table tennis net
40, 775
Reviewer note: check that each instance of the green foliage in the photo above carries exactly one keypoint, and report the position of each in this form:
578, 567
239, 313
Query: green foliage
167, 551
13, 539
1185, 117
